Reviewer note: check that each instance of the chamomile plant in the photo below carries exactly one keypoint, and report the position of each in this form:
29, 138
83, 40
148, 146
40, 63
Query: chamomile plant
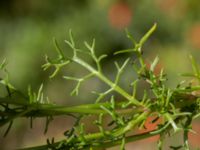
175, 107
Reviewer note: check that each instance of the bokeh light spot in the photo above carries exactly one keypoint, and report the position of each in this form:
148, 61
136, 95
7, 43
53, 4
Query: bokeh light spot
194, 35
120, 15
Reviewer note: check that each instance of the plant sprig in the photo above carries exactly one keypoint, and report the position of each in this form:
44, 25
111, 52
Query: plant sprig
175, 107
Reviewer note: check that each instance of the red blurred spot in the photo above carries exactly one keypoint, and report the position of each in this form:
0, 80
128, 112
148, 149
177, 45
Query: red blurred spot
195, 138
194, 35
120, 15
167, 5
149, 125
157, 69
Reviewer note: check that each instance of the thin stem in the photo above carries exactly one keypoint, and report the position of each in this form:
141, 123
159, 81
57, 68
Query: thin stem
100, 135
107, 81
131, 138
49, 109
42, 110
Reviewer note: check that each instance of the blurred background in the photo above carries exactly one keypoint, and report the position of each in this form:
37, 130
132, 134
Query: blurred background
27, 28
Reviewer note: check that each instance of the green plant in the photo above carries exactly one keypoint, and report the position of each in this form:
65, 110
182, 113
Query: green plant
175, 107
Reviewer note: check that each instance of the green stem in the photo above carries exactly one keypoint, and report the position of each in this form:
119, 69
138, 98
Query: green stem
42, 110
49, 109
107, 81
131, 138
131, 124
99, 135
